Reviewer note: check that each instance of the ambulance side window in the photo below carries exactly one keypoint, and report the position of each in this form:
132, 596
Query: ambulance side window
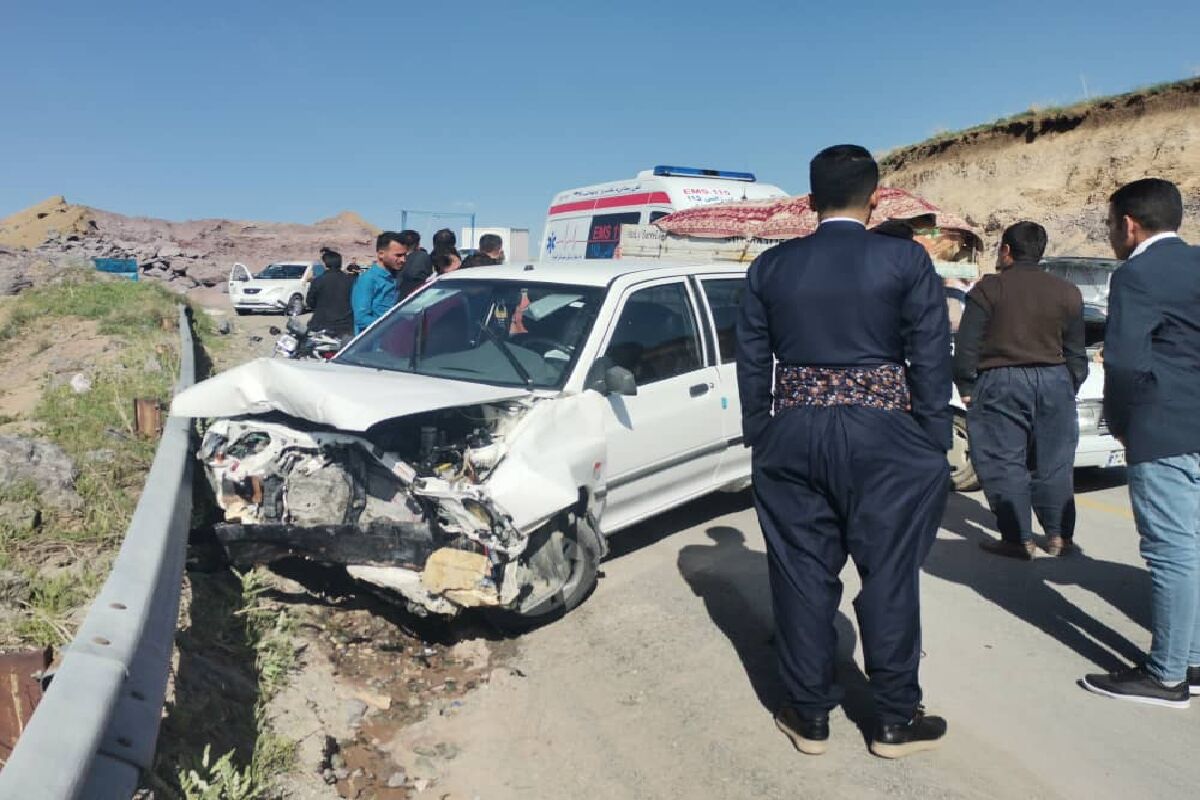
655, 216
724, 299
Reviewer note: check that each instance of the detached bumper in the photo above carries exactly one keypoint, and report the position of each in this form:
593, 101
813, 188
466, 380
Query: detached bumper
391, 544
405, 558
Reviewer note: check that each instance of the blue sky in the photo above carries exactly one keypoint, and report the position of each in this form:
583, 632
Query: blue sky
295, 111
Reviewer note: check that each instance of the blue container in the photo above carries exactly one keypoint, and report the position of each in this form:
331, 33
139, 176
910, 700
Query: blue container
125, 267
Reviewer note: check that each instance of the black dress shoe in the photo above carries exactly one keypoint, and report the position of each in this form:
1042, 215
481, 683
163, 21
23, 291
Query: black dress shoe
1022, 551
809, 735
905, 738
1193, 681
1138, 686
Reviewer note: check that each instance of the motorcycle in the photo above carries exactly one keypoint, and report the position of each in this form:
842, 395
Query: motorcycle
299, 342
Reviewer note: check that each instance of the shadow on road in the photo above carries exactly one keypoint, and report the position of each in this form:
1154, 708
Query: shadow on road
1097, 480
687, 516
732, 581
1026, 589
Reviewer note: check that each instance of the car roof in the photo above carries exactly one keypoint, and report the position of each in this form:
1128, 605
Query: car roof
594, 272
1082, 261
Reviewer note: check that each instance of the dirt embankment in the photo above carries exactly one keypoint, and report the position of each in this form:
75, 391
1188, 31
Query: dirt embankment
1059, 167
183, 254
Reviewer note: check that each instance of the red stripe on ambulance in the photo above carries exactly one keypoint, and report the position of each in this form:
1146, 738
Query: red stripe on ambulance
623, 201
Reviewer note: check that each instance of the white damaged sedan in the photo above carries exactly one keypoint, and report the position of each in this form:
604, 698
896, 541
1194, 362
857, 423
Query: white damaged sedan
476, 446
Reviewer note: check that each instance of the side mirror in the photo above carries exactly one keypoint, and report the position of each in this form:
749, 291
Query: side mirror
618, 380
608, 378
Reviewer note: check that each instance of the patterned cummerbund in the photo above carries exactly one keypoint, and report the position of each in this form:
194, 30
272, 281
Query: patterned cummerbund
884, 387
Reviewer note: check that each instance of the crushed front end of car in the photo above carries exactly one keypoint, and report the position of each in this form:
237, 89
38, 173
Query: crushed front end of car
480, 505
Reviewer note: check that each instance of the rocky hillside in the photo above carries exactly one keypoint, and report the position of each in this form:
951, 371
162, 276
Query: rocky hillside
1058, 167
183, 254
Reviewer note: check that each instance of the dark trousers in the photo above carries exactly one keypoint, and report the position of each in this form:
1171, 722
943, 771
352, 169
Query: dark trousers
1023, 429
848, 480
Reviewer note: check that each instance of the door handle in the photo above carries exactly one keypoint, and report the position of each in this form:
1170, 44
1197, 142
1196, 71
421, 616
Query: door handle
698, 390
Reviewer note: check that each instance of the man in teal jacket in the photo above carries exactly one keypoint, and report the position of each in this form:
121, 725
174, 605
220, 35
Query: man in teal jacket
375, 290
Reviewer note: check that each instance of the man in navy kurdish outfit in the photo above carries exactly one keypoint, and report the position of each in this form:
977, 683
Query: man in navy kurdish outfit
844, 369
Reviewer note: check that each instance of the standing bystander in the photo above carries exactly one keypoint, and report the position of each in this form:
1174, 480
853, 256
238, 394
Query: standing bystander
1152, 403
375, 290
843, 362
329, 298
417, 265
491, 252
1019, 359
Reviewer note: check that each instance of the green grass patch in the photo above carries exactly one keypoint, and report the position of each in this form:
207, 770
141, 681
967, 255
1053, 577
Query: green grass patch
96, 429
122, 307
235, 654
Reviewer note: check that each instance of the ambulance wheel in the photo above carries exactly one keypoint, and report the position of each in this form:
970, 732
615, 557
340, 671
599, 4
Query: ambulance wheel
962, 472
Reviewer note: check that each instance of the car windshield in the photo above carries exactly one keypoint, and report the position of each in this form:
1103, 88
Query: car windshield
501, 332
283, 271
1091, 275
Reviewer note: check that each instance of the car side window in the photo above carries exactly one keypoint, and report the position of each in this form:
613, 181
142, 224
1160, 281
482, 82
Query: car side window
724, 299
656, 337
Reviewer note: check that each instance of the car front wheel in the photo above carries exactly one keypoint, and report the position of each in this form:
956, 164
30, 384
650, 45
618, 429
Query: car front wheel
572, 545
962, 472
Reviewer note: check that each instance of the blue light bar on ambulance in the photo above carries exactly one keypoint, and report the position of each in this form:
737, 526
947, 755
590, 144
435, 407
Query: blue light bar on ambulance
695, 172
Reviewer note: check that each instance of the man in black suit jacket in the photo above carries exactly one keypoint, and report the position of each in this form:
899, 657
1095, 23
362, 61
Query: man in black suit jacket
1152, 403
843, 359
418, 266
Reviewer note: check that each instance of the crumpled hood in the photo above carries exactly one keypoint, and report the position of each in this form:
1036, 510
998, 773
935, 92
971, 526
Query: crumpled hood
345, 397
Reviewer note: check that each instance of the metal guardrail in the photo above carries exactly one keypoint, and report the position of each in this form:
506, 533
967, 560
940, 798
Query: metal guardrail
95, 729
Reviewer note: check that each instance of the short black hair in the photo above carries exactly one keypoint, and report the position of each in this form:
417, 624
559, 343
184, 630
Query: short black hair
1026, 240
490, 242
410, 239
442, 260
386, 238
444, 239
842, 176
894, 227
332, 259
1153, 203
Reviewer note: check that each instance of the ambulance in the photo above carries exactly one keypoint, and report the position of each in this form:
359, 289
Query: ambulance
585, 223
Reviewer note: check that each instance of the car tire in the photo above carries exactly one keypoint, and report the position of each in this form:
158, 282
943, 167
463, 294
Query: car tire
962, 471
295, 306
581, 548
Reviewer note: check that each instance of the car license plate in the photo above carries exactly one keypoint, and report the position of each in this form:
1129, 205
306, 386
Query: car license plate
287, 344
1116, 459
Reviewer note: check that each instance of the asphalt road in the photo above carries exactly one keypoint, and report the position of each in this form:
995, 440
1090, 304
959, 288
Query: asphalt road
662, 684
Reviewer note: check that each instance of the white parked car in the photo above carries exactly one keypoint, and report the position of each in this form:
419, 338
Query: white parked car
477, 445
281, 286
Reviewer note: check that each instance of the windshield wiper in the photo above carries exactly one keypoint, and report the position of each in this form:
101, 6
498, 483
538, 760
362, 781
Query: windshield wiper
508, 354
